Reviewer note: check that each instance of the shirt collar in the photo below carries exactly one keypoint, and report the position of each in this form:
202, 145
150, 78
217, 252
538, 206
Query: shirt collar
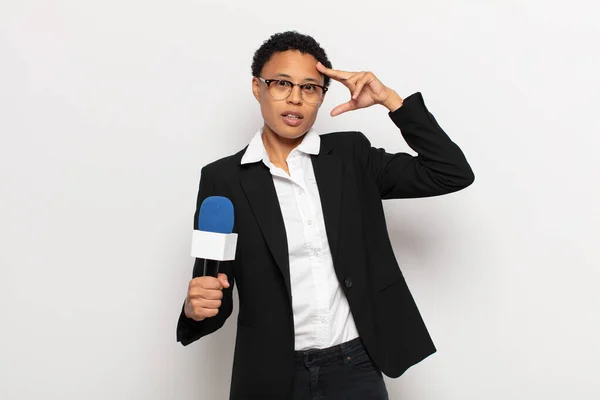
311, 144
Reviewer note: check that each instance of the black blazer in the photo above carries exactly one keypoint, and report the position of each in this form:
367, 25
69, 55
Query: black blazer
352, 178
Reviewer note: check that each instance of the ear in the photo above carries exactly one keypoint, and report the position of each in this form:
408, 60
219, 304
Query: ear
256, 88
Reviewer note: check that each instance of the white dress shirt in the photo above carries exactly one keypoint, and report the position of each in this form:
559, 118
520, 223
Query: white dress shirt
322, 316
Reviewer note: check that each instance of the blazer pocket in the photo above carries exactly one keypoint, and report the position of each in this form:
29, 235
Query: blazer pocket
390, 284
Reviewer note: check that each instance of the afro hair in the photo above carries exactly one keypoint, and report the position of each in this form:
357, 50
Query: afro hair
290, 40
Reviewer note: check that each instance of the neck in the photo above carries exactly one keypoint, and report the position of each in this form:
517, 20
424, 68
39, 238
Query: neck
279, 148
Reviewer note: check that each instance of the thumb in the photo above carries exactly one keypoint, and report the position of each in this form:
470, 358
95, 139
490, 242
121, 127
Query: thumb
342, 108
224, 281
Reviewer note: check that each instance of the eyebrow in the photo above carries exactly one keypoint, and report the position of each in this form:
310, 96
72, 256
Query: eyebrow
305, 79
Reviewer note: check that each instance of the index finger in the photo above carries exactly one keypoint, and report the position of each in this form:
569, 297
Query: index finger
207, 282
334, 73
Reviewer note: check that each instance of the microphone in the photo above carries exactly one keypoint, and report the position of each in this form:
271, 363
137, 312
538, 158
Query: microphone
213, 241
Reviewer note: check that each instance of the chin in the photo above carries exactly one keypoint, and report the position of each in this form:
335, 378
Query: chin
291, 132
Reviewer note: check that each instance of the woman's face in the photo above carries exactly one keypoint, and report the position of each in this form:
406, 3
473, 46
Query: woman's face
292, 117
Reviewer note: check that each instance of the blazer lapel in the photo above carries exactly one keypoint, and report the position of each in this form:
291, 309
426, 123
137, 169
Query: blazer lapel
257, 184
328, 173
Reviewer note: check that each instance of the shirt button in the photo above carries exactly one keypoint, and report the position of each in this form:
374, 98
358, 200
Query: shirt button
348, 282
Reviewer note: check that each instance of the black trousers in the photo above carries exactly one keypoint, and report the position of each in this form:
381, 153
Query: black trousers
342, 372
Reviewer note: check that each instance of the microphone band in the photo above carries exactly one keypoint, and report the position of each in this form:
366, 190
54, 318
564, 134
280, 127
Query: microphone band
204, 267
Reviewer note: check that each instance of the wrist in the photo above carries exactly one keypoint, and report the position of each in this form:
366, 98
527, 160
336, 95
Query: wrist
188, 309
393, 101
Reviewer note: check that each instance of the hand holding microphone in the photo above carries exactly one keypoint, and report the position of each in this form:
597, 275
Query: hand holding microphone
212, 243
204, 296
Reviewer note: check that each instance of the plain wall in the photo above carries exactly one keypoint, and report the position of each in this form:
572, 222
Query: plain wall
108, 111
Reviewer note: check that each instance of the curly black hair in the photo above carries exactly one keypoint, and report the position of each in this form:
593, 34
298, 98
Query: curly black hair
290, 40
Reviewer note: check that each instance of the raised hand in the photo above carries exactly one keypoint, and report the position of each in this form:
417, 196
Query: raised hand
365, 90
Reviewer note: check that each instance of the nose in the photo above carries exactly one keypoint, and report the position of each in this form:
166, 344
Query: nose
295, 96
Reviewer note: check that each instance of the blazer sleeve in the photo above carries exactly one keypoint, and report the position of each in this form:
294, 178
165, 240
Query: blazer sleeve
440, 166
189, 330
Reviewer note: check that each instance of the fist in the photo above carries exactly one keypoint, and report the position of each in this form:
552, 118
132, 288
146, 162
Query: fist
204, 296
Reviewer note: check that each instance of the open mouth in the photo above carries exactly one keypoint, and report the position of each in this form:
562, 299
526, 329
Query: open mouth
292, 119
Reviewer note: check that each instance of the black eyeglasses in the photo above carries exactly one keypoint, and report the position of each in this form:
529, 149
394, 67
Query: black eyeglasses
280, 89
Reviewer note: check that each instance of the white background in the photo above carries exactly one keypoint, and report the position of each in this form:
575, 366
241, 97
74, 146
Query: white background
109, 109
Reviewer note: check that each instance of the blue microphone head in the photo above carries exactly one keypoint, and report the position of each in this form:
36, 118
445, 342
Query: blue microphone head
216, 215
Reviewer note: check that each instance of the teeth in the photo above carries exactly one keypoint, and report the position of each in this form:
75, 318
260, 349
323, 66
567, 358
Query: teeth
292, 116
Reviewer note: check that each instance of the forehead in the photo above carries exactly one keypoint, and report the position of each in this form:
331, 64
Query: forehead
292, 63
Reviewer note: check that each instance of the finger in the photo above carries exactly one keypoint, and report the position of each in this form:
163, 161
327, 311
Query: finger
224, 281
366, 79
206, 282
204, 303
352, 80
206, 313
210, 294
334, 73
342, 108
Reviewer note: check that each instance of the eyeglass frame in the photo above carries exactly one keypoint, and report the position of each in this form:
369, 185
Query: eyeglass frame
269, 81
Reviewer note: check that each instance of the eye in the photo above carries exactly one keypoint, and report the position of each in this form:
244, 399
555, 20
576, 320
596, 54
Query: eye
284, 83
307, 87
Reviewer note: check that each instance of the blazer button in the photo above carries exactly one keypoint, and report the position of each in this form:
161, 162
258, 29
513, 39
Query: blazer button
348, 282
